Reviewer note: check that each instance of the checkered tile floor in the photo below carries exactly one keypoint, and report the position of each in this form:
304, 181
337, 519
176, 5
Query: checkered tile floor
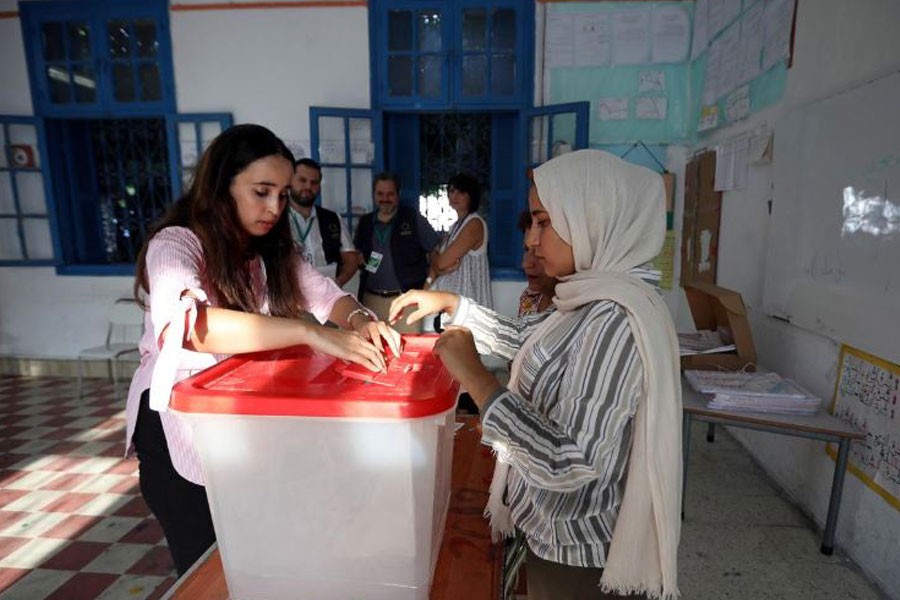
73, 525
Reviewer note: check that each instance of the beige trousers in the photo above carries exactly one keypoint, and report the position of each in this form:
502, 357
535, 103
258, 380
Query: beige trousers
381, 306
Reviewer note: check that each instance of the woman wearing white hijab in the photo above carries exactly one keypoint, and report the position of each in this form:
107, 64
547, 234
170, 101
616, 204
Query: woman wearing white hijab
588, 431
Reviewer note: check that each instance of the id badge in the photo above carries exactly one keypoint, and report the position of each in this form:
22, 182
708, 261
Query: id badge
374, 261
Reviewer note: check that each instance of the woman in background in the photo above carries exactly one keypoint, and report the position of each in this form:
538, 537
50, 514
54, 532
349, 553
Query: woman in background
538, 294
221, 275
460, 264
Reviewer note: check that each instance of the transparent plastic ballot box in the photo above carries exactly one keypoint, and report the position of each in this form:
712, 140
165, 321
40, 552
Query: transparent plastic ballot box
325, 481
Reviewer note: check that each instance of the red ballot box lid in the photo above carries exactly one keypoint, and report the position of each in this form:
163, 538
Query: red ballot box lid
300, 382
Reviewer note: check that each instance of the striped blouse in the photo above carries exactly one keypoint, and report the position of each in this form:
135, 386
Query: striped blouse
566, 428
174, 264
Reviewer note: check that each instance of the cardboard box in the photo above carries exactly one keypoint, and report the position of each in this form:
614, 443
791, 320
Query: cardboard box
717, 309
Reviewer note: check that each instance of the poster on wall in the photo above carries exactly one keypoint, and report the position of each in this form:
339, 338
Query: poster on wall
865, 396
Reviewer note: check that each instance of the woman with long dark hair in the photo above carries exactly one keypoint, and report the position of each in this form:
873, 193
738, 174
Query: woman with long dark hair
218, 275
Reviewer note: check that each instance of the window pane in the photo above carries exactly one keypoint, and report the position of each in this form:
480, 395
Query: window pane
429, 76
474, 75
564, 129
58, 83
7, 207
85, 83
399, 31
187, 144
332, 140
54, 46
361, 191
334, 189
503, 35
37, 238
399, 76
474, 29
151, 86
539, 132
362, 149
9, 240
123, 82
503, 74
429, 30
31, 193
145, 36
208, 132
119, 39
4, 154
25, 133
79, 41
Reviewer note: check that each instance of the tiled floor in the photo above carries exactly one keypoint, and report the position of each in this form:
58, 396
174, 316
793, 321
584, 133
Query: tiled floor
73, 525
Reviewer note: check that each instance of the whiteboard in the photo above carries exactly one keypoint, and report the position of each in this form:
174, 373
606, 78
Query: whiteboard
833, 258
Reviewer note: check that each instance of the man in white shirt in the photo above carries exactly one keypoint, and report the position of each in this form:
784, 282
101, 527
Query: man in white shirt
320, 232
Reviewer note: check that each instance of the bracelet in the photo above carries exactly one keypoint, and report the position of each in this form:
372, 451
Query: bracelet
359, 311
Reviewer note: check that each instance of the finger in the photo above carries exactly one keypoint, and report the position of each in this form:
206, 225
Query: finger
370, 359
398, 305
393, 339
389, 335
416, 315
375, 336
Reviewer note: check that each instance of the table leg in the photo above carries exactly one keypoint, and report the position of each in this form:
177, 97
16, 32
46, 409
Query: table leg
685, 454
711, 432
837, 488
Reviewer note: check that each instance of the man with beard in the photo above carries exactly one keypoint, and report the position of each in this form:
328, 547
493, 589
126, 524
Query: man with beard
320, 232
395, 242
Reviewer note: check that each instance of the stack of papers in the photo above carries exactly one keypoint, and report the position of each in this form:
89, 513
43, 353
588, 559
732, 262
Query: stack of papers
757, 392
702, 342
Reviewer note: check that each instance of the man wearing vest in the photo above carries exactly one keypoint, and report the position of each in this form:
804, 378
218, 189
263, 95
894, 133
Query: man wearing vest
395, 242
320, 232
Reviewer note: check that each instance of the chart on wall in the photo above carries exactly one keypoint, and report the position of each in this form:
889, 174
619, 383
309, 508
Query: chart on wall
865, 396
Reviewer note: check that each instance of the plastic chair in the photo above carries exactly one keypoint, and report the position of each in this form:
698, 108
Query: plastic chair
124, 318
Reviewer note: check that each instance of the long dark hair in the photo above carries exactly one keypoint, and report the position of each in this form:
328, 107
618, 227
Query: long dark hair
209, 210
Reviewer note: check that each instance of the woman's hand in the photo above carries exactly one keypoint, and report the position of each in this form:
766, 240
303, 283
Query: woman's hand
456, 349
428, 303
376, 331
346, 345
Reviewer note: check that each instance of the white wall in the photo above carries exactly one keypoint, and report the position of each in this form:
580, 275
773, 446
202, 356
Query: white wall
263, 66
838, 44
270, 66
15, 94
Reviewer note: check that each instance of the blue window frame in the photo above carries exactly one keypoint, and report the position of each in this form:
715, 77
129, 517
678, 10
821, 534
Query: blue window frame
114, 152
188, 136
451, 53
114, 177
554, 129
26, 218
92, 57
347, 144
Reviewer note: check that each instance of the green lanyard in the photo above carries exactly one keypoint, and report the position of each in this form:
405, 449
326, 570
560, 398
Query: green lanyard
382, 232
303, 234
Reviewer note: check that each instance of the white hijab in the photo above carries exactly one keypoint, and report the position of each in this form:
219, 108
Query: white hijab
612, 213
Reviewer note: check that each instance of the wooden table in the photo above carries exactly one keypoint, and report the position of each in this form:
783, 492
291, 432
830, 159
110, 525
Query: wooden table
820, 426
468, 564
